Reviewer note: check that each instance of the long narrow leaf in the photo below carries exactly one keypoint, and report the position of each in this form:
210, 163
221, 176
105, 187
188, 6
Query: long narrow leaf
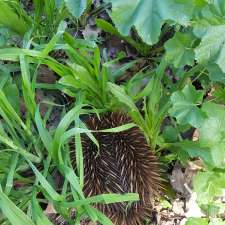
12, 212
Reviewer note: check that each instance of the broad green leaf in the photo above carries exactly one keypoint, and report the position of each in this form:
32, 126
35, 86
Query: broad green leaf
215, 73
212, 50
212, 133
194, 149
208, 185
12, 212
185, 108
170, 134
76, 7
197, 221
179, 49
148, 16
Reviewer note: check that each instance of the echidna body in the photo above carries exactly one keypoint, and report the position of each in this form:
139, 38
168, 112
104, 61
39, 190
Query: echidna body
124, 163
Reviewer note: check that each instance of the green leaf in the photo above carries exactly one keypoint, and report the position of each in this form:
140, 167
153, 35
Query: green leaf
179, 49
212, 133
63, 125
185, 106
14, 17
215, 73
148, 16
72, 178
52, 43
212, 50
102, 217
43, 132
122, 97
193, 150
219, 94
39, 217
197, 221
45, 184
76, 7
107, 27
208, 185
170, 134
12, 212
104, 199
119, 128
10, 175
28, 92
165, 204
120, 93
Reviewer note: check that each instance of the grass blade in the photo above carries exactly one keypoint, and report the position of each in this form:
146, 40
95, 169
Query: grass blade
12, 212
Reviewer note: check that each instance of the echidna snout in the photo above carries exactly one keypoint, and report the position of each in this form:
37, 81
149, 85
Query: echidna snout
123, 164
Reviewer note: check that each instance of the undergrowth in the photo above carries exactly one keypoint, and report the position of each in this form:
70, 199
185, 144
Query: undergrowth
169, 78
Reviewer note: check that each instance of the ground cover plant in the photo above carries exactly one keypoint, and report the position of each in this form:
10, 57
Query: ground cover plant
66, 62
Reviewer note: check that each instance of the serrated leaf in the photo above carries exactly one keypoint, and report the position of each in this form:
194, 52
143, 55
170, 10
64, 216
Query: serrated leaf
212, 46
148, 16
76, 7
185, 108
179, 50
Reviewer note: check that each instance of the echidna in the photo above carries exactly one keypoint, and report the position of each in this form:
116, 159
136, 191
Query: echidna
123, 164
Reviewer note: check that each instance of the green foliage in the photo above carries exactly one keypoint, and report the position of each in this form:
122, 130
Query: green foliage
209, 49
126, 14
208, 185
185, 108
178, 88
179, 50
14, 17
216, 124
77, 7
197, 221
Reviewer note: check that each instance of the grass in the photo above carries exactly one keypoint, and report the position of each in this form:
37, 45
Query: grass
163, 99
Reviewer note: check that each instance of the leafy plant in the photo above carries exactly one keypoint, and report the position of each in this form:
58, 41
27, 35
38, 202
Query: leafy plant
178, 89
14, 17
